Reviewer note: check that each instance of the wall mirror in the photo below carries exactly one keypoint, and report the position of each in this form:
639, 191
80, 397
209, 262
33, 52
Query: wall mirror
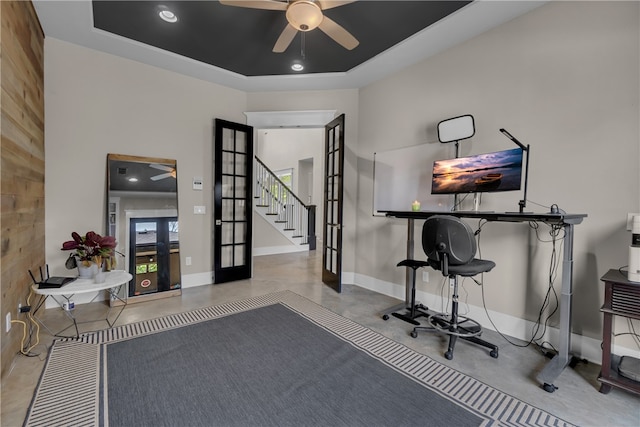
142, 214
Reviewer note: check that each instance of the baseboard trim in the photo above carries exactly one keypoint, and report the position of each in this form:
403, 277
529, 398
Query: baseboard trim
197, 279
275, 250
581, 346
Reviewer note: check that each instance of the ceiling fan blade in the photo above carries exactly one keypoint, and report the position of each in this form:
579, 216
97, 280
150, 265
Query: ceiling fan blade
338, 33
161, 167
161, 176
257, 4
330, 4
285, 39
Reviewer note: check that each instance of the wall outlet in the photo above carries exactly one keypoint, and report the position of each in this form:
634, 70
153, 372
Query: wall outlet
187, 260
199, 210
425, 276
8, 325
630, 220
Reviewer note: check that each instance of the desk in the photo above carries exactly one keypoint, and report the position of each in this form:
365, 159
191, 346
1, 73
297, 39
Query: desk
554, 367
113, 282
621, 298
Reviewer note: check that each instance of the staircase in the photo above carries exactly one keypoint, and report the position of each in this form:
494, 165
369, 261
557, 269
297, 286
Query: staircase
275, 202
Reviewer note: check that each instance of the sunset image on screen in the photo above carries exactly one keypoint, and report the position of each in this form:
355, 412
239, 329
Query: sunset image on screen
499, 171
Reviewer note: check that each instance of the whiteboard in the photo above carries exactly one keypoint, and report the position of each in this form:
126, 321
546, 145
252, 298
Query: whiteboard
402, 176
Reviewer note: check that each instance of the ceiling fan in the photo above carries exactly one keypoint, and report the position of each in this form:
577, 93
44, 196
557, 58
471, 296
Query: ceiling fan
303, 15
170, 172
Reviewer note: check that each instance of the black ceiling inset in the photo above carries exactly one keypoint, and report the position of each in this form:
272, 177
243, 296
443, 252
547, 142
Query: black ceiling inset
241, 39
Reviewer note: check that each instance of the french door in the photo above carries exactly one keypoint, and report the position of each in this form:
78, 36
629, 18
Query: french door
233, 210
333, 189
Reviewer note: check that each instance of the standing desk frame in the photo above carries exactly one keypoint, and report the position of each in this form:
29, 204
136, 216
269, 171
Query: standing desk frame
553, 368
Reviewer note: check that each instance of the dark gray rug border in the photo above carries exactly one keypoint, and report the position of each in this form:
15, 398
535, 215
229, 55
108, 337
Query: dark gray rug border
81, 396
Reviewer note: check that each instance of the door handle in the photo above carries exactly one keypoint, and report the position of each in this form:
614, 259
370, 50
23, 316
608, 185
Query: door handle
218, 222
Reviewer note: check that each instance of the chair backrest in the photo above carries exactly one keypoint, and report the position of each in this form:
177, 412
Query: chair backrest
446, 236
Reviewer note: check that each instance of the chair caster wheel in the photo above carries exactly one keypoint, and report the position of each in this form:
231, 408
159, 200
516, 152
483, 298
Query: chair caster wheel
448, 355
385, 317
414, 334
549, 388
494, 354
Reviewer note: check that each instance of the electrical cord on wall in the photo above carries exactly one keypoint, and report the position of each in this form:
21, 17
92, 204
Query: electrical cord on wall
540, 326
457, 205
25, 348
632, 332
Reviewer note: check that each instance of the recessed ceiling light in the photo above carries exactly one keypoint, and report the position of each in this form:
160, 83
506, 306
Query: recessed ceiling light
297, 67
168, 16
132, 179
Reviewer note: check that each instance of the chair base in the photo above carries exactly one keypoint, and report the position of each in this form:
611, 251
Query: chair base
465, 328
412, 314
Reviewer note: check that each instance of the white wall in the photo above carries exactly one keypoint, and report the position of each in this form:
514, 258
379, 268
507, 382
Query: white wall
96, 103
562, 78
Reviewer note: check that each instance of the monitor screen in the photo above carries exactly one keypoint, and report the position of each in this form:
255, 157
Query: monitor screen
499, 171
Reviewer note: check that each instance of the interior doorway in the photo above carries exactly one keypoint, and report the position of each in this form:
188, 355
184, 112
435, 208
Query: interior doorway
309, 170
301, 152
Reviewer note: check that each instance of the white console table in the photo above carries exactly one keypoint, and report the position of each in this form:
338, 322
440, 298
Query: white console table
114, 280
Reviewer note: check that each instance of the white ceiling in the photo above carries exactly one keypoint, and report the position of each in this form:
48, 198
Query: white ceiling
72, 21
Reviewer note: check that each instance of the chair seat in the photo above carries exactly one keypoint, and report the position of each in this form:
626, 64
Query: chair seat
413, 263
475, 266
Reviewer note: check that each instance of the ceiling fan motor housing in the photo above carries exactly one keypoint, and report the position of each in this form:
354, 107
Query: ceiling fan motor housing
304, 15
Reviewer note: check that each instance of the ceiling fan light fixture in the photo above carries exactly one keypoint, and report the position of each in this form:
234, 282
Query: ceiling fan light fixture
168, 16
304, 15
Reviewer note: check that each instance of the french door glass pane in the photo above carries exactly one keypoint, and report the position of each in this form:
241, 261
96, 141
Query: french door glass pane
227, 186
227, 139
241, 187
227, 256
241, 232
241, 164
227, 210
228, 160
241, 142
239, 255
227, 233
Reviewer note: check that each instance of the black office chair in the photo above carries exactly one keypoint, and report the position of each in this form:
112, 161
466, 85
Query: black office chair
450, 246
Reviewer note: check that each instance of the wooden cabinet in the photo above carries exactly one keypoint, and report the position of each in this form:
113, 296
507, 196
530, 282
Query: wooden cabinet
621, 298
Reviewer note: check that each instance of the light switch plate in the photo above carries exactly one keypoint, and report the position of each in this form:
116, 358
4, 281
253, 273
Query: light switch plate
197, 183
199, 210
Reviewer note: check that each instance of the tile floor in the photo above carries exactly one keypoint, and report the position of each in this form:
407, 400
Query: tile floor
577, 399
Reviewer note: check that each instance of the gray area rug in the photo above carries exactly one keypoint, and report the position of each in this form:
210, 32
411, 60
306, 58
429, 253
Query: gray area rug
274, 360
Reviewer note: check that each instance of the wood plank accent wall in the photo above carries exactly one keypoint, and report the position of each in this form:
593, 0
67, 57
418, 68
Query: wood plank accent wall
22, 163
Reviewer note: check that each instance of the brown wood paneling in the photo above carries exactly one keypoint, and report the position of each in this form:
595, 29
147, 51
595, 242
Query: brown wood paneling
22, 162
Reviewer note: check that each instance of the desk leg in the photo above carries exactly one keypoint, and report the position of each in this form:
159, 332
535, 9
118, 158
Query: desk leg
410, 271
560, 361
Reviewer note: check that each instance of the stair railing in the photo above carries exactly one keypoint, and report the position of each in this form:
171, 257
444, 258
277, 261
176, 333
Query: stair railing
284, 204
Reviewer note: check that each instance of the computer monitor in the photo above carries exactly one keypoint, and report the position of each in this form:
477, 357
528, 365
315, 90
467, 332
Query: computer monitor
490, 172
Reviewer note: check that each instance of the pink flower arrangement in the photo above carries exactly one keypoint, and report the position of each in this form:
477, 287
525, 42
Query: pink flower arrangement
90, 247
